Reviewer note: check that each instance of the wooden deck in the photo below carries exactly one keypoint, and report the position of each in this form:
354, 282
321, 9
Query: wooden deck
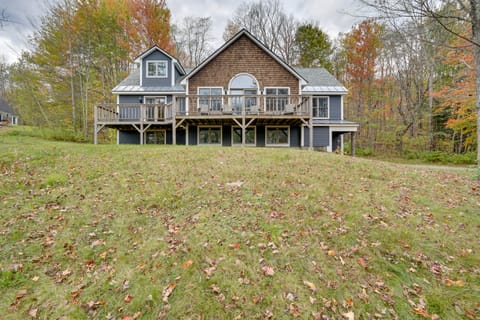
241, 110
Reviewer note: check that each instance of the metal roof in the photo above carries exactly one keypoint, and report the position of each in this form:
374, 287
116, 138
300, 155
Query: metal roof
320, 81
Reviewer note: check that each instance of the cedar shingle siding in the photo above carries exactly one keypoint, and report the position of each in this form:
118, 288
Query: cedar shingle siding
243, 56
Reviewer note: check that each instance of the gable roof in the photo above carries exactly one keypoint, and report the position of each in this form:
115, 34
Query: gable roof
157, 48
5, 107
244, 32
320, 81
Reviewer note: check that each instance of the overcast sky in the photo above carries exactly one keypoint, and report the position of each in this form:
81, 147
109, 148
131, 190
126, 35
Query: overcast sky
25, 14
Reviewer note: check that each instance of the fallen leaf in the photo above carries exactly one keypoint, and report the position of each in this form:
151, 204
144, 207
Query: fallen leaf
331, 253
421, 312
215, 288
294, 310
15, 267
209, 271
268, 271
21, 294
33, 312
128, 298
35, 278
167, 291
310, 285
235, 246
187, 264
97, 243
458, 283
349, 315
361, 261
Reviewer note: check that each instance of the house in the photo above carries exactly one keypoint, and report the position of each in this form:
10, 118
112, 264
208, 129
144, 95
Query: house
242, 94
7, 115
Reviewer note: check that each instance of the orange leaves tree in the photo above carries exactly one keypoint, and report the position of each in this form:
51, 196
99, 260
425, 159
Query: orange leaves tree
81, 51
360, 50
456, 95
458, 12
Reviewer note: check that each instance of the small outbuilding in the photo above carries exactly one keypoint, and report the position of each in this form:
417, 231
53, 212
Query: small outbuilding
7, 115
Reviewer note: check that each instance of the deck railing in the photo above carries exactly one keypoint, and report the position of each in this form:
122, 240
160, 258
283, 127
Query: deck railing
134, 112
205, 106
274, 105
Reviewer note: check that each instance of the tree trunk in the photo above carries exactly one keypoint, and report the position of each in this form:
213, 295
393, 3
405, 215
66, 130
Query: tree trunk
476, 39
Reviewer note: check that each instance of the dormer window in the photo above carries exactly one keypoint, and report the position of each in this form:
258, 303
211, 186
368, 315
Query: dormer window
157, 69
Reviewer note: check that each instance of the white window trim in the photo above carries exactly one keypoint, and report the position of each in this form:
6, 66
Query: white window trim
328, 107
157, 61
247, 144
243, 74
198, 94
271, 96
209, 144
146, 97
280, 144
164, 135
265, 89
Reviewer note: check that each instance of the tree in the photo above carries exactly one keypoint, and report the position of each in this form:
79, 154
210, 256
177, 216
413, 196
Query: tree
361, 49
193, 40
3, 18
314, 47
460, 11
81, 50
266, 21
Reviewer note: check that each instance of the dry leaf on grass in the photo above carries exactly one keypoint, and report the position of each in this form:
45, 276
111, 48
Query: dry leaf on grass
167, 291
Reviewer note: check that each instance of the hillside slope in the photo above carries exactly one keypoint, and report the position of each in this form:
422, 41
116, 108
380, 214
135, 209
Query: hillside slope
147, 232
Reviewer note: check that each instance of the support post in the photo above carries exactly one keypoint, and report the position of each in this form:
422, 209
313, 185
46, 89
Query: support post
310, 124
174, 120
95, 119
353, 143
243, 131
141, 133
186, 135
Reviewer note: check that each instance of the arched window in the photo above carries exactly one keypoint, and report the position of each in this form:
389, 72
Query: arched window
243, 81
243, 88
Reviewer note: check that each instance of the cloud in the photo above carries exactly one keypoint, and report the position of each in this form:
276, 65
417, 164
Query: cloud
25, 17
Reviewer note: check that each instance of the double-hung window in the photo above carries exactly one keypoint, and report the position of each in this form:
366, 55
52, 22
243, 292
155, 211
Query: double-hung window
157, 69
210, 99
320, 107
276, 99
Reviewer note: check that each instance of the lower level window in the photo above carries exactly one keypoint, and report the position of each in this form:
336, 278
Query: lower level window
155, 137
210, 135
278, 136
249, 135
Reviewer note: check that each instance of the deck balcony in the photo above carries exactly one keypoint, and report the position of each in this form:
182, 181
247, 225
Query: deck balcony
205, 107
125, 113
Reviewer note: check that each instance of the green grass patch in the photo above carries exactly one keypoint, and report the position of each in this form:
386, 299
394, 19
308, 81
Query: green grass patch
180, 232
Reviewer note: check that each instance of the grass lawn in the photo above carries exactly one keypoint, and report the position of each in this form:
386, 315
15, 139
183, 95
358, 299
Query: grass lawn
164, 232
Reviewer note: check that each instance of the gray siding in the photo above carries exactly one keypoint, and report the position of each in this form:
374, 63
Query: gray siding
260, 136
320, 137
156, 82
335, 107
192, 135
130, 99
295, 136
129, 137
